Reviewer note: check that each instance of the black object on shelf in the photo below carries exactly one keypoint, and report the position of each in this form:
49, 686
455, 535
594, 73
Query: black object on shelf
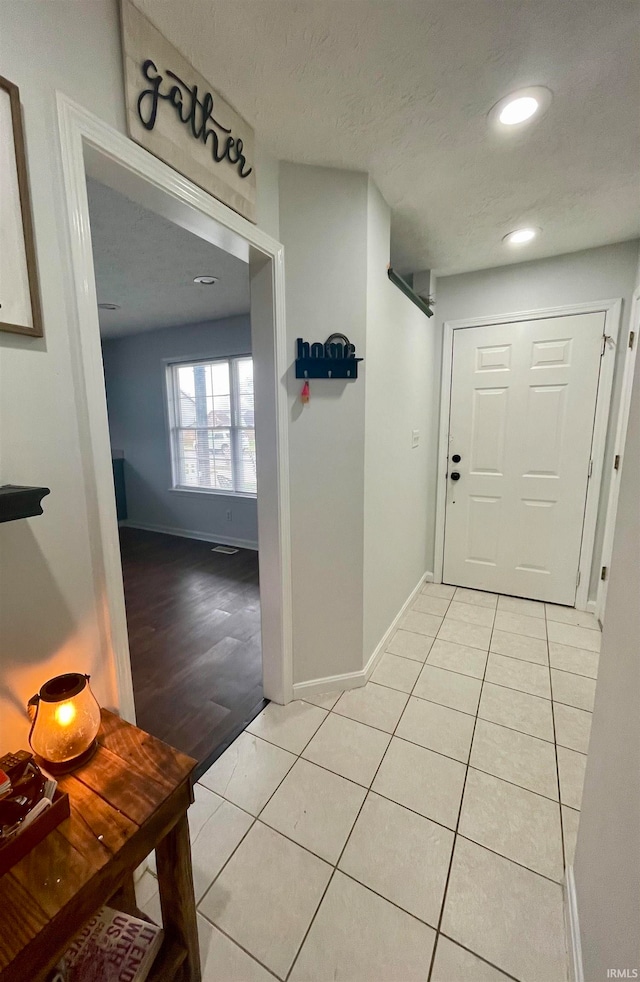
335, 358
20, 502
410, 293
120, 487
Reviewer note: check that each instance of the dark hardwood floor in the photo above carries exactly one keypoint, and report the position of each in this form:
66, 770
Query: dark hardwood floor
194, 635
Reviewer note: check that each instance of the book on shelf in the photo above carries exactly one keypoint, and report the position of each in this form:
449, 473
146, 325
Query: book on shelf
111, 947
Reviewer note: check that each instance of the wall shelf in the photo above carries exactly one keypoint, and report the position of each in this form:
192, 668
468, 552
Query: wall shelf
18, 502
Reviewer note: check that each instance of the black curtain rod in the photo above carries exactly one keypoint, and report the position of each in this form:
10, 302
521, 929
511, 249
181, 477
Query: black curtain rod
408, 292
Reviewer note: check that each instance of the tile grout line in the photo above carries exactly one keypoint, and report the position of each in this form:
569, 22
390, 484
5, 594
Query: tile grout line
405, 740
555, 752
255, 820
502, 685
455, 834
255, 817
346, 843
368, 790
335, 868
217, 927
391, 734
479, 957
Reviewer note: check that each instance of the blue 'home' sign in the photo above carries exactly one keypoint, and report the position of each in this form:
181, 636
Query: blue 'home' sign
336, 358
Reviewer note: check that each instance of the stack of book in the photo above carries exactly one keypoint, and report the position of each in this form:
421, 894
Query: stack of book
112, 947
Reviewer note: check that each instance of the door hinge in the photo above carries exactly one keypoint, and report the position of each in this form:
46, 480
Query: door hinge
590, 468
578, 578
632, 337
604, 573
616, 462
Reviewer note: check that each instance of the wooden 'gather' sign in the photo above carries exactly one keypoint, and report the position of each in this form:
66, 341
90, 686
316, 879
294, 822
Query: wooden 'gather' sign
173, 112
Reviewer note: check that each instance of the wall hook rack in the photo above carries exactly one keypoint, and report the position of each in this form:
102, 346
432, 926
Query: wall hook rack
335, 358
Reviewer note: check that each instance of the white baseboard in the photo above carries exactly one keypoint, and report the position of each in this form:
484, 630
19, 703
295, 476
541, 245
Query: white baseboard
572, 924
591, 606
352, 680
428, 578
330, 683
382, 644
223, 540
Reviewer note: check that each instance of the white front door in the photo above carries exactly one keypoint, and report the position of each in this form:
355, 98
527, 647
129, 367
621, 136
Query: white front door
523, 399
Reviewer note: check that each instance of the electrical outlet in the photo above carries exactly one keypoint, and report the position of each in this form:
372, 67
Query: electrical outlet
415, 438
229, 515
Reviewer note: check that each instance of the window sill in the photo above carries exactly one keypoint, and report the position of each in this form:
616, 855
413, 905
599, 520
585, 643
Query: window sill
217, 492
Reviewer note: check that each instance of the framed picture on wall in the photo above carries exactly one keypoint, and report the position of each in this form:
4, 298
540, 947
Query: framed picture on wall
20, 310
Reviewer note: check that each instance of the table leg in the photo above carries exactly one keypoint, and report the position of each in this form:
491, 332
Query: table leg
177, 899
125, 897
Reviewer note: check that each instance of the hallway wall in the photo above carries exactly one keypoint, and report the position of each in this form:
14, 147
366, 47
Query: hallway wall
135, 376
359, 491
323, 226
403, 357
607, 860
51, 595
594, 274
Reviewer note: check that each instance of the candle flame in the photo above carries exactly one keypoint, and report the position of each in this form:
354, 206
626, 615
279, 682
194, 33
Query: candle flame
65, 713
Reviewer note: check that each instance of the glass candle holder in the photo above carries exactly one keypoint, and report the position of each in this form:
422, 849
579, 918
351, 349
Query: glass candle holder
65, 722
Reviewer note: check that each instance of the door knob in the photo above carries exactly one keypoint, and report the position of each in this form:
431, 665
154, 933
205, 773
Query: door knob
456, 458
455, 476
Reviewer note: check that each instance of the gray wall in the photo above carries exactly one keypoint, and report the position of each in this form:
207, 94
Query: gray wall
323, 227
400, 396
57, 557
607, 861
135, 368
359, 492
595, 274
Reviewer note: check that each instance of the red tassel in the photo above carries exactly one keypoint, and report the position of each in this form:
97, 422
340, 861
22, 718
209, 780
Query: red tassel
304, 395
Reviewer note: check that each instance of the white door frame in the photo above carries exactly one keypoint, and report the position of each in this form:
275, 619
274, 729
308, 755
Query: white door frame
86, 139
611, 309
618, 450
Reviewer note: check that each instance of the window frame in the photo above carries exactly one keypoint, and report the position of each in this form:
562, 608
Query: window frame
235, 428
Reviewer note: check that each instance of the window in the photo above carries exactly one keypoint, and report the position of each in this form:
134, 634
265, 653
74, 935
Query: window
213, 446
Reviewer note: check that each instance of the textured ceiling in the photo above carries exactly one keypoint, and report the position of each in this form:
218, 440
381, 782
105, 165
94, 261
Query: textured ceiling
146, 264
401, 89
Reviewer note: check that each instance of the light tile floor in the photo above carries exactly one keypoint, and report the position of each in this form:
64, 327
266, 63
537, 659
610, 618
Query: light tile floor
413, 829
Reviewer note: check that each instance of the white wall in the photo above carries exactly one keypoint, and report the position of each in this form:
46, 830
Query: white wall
135, 377
400, 396
359, 492
323, 226
594, 274
51, 599
607, 861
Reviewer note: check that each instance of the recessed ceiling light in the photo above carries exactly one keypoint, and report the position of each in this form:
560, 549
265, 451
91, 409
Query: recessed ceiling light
109, 306
520, 107
518, 110
521, 235
205, 280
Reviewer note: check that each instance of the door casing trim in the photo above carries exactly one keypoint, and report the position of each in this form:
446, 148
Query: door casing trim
612, 310
82, 133
622, 422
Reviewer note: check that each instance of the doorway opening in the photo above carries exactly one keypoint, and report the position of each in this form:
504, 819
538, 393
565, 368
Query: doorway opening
91, 150
174, 313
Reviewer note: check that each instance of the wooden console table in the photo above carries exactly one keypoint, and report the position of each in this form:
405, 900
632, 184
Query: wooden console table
130, 798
